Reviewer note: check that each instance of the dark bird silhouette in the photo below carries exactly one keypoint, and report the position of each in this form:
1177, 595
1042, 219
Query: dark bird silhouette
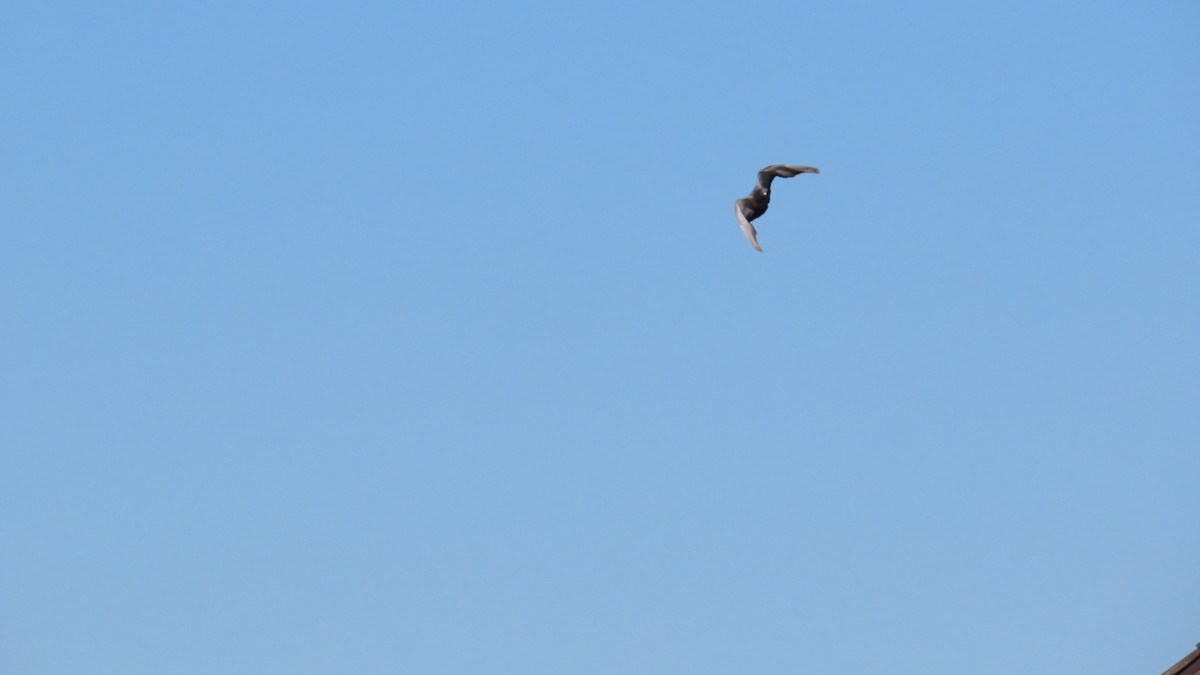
755, 204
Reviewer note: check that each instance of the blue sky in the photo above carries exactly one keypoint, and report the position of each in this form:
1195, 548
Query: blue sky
421, 338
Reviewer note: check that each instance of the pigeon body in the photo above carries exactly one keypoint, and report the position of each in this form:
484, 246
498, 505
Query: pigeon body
755, 204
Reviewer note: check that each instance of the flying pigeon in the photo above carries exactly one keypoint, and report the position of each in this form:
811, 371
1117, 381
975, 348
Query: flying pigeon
754, 204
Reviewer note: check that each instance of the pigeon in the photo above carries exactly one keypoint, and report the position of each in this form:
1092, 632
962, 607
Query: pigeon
754, 204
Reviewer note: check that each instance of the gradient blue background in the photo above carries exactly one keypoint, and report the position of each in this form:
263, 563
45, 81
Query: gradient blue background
420, 337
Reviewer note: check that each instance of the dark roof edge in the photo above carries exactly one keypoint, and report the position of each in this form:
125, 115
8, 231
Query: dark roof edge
1188, 665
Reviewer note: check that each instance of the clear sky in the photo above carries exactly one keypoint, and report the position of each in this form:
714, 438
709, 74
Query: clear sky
420, 337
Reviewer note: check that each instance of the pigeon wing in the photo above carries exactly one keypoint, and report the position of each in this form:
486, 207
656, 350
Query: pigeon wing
747, 228
786, 170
